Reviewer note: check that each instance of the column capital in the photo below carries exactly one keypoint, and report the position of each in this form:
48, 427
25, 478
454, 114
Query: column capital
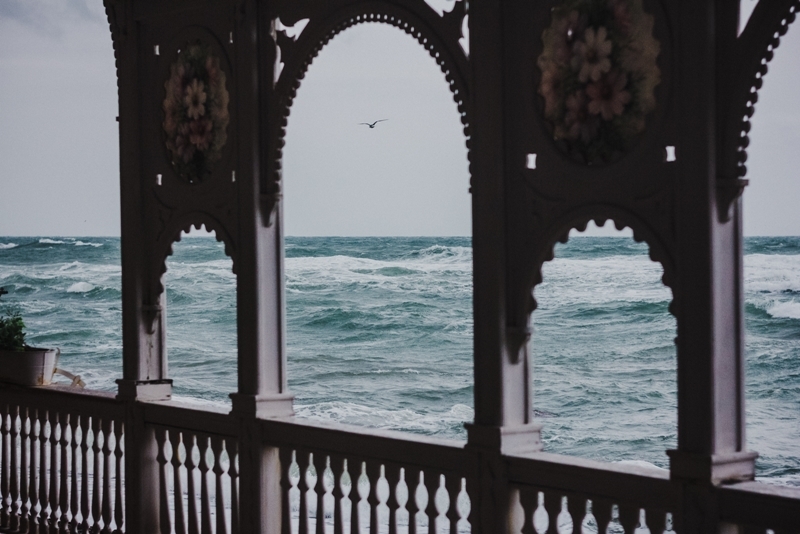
516, 439
144, 390
714, 468
263, 406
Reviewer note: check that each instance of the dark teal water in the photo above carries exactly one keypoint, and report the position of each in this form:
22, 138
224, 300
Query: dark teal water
380, 334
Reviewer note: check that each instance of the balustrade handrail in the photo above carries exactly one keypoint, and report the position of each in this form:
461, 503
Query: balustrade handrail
759, 504
64, 398
206, 420
647, 487
384, 445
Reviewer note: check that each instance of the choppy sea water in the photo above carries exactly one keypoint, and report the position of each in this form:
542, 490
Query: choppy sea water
380, 335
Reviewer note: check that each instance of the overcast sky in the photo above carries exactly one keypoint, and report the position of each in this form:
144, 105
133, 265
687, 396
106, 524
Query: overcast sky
59, 156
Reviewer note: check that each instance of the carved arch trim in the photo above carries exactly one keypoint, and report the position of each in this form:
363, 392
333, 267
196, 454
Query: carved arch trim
600, 214
438, 34
755, 48
185, 224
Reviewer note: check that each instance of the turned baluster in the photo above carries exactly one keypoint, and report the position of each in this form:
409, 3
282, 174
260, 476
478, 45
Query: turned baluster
392, 474
33, 483
219, 497
74, 453
373, 476
453, 484
5, 444
53, 497
553, 506
105, 505
320, 463
14, 482
233, 471
25, 470
189, 444
85, 429
629, 517
302, 459
337, 468
97, 473
413, 481
163, 491
576, 506
354, 469
529, 500
45, 431
63, 446
471, 491
285, 456
432, 482
119, 510
205, 499
601, 510
177, 483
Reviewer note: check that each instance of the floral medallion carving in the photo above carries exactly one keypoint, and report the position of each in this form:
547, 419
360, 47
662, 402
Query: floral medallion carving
599, 74
196, 113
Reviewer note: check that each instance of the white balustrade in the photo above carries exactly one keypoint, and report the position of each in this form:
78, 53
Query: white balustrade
56, 460
63, 456
188, 502
346, 488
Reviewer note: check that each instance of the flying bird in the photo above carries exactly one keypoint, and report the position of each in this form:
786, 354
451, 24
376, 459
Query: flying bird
372, 125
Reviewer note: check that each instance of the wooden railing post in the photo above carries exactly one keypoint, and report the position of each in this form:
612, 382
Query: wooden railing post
141, 471
503, 410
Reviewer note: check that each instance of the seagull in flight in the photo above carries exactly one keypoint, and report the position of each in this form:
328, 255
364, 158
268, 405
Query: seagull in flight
372, 125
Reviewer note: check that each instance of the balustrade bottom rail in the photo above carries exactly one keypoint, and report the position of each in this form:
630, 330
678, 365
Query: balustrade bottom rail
62, 469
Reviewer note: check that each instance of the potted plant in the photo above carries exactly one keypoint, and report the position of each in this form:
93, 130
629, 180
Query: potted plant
19, 363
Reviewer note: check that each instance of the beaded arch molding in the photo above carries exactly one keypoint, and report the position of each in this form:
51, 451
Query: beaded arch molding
439, 35
756, 46
579, 219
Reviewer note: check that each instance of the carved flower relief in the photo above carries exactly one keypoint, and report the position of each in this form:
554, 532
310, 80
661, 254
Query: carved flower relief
195, 112
599, 74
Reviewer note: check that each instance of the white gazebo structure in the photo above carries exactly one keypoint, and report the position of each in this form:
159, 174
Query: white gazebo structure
635, 111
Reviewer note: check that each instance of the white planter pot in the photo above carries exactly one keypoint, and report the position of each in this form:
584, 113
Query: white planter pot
30, 367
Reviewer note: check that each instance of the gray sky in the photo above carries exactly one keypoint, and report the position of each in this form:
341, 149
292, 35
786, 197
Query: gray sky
408, 176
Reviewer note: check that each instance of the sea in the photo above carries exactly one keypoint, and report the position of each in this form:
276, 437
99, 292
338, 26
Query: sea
379, 334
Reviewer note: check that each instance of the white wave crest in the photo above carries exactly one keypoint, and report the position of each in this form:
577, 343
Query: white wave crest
46, 241
642, 464
414, 275
80, 287
785, 310
406, 420
83, 244
6, 246
211, 405
598, 281
68, 266
445, 254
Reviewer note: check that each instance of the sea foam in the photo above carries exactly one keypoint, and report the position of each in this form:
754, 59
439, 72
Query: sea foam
80, 287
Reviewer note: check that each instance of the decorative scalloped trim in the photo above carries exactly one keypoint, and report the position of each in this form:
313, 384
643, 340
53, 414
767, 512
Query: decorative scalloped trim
196, 220
111, 9
656, 252
757, 82
291, 91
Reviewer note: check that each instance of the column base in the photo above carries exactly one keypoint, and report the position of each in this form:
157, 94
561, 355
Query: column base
144, 390
518, 439
263, 406
714, 468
